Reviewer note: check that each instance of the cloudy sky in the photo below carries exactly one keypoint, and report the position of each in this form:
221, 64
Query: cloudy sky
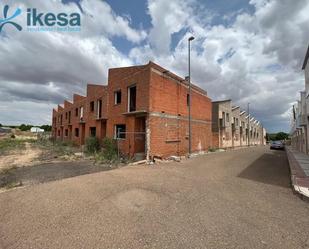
249, 51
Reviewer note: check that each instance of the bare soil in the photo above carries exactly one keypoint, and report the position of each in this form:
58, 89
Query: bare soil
33, 162
20, 158
46, 172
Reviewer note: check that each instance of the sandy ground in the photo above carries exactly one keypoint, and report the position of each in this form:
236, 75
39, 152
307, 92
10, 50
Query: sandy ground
20, 158
236, 199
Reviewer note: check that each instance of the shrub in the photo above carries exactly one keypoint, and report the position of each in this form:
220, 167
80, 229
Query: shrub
66, 143
12, 136
109, 149
109, 153
211, 149
92, 145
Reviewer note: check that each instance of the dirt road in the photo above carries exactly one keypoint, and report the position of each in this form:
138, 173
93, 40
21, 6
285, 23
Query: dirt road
235, 199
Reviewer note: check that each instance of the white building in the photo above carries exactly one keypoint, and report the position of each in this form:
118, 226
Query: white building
300, 124
36, 130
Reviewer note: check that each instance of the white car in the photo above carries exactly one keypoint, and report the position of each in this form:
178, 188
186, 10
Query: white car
278, 145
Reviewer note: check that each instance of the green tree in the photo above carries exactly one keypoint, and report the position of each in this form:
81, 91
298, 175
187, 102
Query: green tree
46, 127
24, 127
282, 136
0, 125
277, 136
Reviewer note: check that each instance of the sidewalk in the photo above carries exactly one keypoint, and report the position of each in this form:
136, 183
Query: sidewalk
299, 166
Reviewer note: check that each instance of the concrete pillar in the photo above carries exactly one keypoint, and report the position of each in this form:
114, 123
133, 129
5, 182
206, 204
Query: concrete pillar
147, 149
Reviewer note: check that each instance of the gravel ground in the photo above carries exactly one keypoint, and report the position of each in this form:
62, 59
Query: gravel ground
235, 199
48, 172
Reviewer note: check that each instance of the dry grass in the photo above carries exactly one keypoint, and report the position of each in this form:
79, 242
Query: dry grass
27, 151
9, 144
17, 153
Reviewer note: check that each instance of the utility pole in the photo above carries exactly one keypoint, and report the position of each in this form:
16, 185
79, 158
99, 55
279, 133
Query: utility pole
189, 78
248, 126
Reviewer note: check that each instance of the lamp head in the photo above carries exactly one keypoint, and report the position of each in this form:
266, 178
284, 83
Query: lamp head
191, 38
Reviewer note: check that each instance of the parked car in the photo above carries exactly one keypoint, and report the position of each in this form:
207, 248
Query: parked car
277, 145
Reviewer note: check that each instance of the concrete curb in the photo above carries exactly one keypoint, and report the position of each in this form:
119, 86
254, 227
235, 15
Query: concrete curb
299, 180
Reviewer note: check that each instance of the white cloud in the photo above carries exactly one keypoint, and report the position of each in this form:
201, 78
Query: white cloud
30, 61
256, 58
100, 19
18, 112
168, 17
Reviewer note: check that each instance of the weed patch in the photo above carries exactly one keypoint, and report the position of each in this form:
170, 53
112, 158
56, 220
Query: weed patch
109, 153
211, 149
8, 144
13, 185
92, 145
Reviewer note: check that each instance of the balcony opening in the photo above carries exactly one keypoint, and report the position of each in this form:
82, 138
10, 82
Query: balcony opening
92, 131
81, 113
222, 120
76, 132
117, 97
99, 108
92, 106
132, 98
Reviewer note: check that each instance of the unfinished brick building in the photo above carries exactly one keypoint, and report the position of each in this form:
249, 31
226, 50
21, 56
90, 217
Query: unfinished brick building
144, 107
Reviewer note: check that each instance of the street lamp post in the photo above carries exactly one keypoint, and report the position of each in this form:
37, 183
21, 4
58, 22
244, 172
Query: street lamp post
248, 126
189, 79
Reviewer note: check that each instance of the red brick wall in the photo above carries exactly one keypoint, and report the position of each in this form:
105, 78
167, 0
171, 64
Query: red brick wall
169, 136
215, 139
171, 97
94, 92
77, 103
121, 79
156, 95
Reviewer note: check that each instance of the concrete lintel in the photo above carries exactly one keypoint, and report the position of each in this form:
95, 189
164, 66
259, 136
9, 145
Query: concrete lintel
171, 116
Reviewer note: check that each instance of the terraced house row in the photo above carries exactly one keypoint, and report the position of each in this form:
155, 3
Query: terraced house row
233, 127
300, 123
145, 108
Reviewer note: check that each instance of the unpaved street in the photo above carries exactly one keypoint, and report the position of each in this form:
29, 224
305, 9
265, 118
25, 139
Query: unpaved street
235, 199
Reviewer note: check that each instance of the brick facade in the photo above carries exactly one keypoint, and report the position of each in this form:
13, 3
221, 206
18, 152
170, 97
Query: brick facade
145, 106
